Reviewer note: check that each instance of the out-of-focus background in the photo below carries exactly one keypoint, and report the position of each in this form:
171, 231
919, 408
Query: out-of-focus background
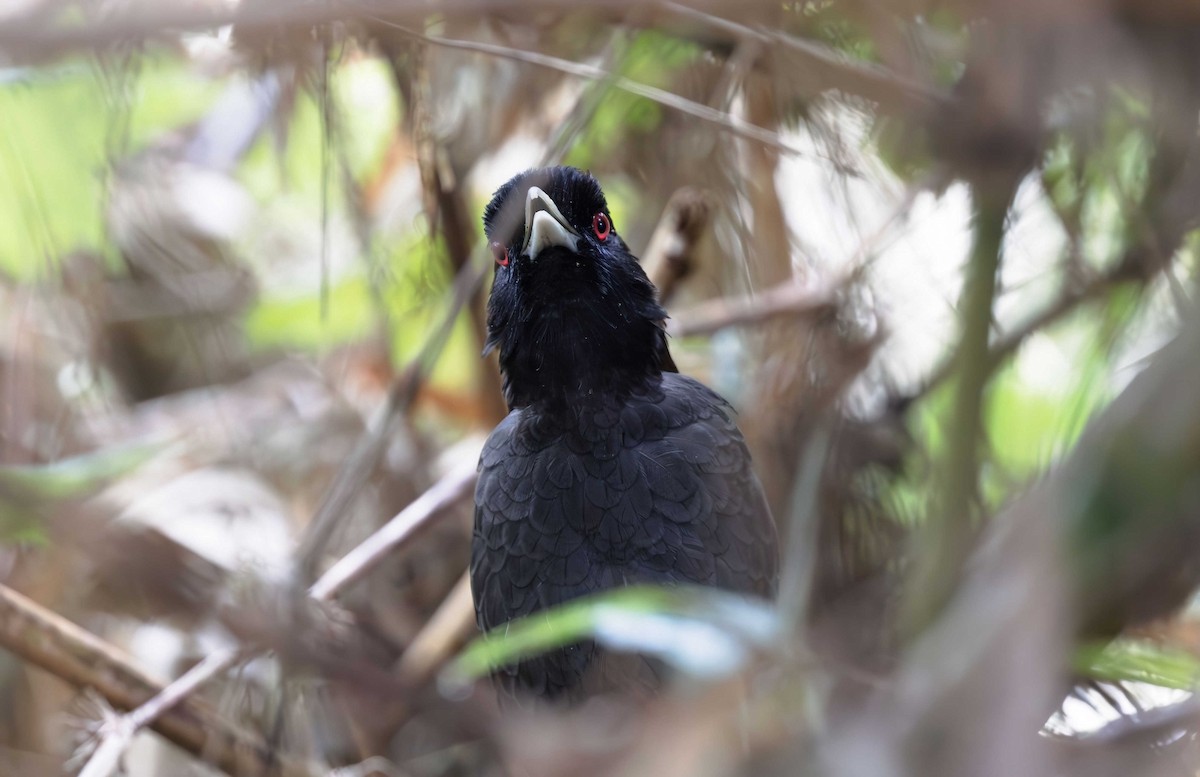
940, 255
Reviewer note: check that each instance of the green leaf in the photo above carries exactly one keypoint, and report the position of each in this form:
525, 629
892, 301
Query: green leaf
26, 492
699, 631
1129, 660
77, 476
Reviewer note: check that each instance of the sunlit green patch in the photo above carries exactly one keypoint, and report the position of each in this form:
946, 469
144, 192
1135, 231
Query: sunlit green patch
1131, 660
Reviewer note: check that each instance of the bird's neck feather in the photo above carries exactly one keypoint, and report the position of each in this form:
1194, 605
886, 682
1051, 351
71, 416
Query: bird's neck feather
573, 350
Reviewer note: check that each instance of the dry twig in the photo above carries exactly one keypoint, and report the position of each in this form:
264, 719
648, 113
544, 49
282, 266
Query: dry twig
357, 468
726, 121
1067, 303
450, 627
393, 535
669, 256
399, 531
786, 299
83, 660
889, 91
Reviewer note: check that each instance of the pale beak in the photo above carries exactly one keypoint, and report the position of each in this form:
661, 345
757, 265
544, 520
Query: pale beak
545, 225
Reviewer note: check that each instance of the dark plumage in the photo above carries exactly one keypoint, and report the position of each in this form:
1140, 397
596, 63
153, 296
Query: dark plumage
611, 468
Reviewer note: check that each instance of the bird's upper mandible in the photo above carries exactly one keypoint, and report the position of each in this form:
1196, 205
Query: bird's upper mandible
545, 225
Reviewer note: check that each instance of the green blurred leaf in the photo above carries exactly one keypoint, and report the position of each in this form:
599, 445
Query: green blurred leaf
700, 631
77, 476
411, 286
297, 321
651, 58
1029, 427
1129, 660
58, 137
26, 493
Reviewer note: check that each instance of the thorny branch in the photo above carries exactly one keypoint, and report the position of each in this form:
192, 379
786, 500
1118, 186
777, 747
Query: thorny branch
399, 531
82, 659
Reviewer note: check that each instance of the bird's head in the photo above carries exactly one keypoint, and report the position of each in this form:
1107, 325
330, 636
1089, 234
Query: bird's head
571, 309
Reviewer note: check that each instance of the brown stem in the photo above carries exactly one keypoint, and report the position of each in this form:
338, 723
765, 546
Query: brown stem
357, 468
670, 255
82, 659
785, 299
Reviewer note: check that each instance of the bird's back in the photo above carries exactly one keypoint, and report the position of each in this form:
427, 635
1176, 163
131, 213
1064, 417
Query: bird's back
653, 488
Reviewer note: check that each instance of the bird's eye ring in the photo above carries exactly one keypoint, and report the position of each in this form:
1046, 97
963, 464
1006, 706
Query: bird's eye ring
500, 253
601, 226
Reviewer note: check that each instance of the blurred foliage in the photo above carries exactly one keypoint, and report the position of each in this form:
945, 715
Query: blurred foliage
649, 58
54, 171
290, 165
333, 171
29, 494
1129, 660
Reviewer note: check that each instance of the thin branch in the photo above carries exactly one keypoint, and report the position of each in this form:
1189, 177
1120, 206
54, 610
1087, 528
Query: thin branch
720, 119
358, 466
80, 658
587, 101
402, 529
399, 531
833, 69
1066, 304
38, 40
456, 225
450, 627
35, 40
789, 298
785, 299
120, 733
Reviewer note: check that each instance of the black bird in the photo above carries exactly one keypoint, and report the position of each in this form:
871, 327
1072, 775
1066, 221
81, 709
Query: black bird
611, 468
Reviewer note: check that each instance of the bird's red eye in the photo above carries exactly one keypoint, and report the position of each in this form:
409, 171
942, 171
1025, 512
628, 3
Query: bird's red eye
500, 253
601, 226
